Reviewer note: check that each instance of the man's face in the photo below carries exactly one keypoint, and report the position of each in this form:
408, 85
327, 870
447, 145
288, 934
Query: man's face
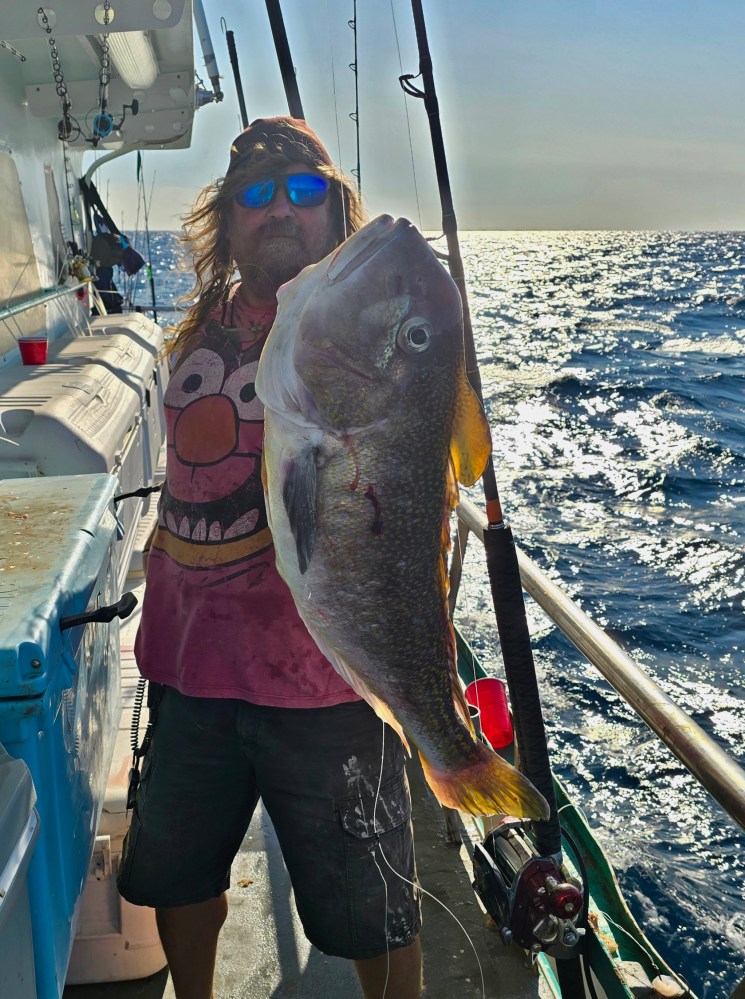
271, 245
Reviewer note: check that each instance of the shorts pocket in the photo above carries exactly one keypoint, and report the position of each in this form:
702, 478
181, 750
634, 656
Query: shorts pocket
389, 809
382, 904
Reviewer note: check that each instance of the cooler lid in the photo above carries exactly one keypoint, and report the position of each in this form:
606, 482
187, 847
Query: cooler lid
132, 360
55, 534
64, 418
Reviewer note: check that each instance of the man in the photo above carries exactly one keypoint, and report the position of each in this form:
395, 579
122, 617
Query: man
247, 707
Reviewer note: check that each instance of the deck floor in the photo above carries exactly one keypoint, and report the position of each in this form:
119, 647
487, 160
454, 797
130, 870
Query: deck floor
263, 953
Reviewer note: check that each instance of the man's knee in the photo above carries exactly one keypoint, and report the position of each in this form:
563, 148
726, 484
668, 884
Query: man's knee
397, 972
201, 918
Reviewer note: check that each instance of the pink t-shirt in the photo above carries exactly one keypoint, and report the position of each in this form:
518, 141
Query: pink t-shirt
217, 619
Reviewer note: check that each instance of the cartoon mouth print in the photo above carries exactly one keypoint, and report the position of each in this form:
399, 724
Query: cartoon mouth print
211, 514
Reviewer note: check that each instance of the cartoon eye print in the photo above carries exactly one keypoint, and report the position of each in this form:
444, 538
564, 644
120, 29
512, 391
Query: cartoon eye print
201, 374
239, 386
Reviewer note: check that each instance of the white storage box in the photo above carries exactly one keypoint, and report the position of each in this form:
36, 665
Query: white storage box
115, 941
132, 347
70, 418
66, 419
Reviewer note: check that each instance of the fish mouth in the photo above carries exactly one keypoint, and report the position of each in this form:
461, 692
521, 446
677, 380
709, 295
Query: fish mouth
364, 244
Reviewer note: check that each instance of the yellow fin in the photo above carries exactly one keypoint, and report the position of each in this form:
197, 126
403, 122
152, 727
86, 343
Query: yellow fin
487, 786
470, 444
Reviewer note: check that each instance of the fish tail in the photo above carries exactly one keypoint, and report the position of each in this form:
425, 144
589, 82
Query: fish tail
486, 785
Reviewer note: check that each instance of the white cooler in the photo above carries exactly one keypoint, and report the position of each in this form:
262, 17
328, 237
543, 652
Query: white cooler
95, 406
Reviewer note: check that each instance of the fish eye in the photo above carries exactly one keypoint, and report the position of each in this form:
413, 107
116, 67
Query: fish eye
415, 335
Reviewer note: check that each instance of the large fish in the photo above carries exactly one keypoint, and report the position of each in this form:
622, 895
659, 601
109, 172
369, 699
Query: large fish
369, 420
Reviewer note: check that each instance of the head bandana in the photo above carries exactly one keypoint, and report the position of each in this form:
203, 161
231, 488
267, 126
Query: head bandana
288, 137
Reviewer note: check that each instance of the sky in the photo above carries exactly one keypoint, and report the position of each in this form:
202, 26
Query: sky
556, 114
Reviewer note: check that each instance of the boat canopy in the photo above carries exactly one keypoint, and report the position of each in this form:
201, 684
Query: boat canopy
146, 51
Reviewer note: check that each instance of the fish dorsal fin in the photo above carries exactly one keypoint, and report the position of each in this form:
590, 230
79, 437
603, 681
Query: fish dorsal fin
299, 498
470, 443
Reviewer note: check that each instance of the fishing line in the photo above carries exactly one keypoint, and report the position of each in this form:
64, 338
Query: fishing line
382, 876
408, 123
413, 885
336, 116
131, 284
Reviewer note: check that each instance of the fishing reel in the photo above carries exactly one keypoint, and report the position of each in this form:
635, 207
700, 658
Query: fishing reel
103, 123
531, 901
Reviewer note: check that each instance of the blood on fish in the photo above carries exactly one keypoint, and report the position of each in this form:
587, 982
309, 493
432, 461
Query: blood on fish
377, 524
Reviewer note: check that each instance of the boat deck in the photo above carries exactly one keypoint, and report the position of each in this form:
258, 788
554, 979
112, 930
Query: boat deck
263, 953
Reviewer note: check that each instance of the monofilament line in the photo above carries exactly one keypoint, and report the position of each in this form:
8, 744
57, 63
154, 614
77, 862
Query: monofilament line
336, 119
408, 122
416, 886
385, 883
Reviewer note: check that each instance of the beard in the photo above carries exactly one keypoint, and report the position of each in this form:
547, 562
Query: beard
276, 253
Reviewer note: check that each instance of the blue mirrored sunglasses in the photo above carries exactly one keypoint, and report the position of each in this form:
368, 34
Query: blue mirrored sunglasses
305, 190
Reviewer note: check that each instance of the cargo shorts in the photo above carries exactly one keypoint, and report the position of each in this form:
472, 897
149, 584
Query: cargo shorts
318, 773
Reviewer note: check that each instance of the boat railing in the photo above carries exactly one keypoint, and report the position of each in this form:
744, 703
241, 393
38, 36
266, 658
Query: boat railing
722, 777
43, 297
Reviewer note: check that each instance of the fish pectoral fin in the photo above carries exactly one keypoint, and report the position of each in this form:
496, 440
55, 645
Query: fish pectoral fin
470, 443
486, 785
299, 498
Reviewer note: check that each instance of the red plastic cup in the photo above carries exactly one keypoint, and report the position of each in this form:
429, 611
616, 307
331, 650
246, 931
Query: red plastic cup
33, 349
490, 697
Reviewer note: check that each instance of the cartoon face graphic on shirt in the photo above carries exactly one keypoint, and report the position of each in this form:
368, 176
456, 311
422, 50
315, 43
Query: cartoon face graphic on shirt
211, 514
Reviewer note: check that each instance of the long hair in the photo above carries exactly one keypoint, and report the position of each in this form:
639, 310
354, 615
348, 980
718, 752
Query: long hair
205, 230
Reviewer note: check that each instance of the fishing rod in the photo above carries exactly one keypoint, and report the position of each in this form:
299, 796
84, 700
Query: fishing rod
501, 554
284, 58
230, 38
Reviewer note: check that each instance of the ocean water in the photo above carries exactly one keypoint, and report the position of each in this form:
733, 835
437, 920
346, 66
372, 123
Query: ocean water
613, 366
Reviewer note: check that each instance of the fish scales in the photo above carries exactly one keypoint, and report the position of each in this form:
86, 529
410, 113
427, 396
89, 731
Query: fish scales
369, 420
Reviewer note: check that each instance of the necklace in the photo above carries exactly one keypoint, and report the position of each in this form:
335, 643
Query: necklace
257, 326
